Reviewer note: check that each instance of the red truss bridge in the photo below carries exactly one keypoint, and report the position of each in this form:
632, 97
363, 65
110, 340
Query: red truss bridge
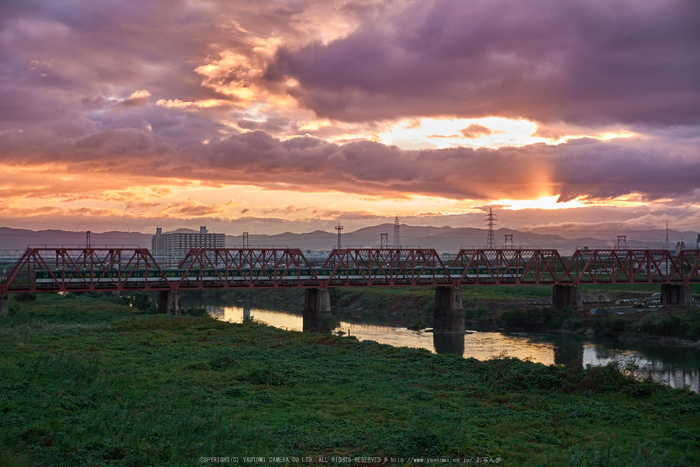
135, 269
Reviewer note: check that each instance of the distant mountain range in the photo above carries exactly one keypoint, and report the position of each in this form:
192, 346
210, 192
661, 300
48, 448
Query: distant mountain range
443, 239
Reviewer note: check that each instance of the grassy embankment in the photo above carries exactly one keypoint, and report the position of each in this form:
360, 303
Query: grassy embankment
493, 308
87, 381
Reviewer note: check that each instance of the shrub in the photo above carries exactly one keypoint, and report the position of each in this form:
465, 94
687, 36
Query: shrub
140, 300
25, 297
222, 362
195, 311
611, 326
668, 325
265, 377
533, 319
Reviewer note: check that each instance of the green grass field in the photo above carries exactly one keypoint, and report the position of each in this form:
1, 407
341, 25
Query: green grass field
86, 381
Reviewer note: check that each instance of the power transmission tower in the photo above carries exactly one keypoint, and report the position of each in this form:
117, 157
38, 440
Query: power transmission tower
339, 228
384, 241
397, 233
508, 243
490, 222
621, 242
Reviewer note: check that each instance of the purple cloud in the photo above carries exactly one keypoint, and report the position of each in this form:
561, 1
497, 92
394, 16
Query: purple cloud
580, 61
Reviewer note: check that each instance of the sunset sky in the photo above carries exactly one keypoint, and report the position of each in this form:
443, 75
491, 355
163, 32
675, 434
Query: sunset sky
272, 116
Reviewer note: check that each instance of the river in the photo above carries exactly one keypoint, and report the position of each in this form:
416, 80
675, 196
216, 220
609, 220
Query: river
676, 367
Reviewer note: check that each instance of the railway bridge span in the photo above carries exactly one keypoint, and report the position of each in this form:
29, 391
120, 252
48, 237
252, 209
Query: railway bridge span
107, 269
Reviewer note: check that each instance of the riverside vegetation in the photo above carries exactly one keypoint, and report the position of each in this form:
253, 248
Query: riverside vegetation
91, 380
512, 308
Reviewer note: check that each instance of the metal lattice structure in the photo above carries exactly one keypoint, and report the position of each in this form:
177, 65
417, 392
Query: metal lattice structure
85, 269
621, 242
500, 267
339, 228
384, 241
508, 242
633, 266
386, 267
490, 223
397, 233
123, 269
235, 268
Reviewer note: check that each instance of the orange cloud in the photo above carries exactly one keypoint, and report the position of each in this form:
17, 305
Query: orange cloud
190, 208
475, 131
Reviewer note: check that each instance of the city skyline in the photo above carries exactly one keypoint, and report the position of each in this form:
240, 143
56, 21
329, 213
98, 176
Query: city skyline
277, 116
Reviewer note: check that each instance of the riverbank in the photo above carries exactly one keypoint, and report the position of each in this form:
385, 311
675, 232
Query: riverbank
89, 381
611, 311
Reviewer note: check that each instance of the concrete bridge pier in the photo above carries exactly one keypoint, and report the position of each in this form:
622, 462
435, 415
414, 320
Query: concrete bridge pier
566, 295
4, 304
448, 314
169, 302
676, 294
317, 310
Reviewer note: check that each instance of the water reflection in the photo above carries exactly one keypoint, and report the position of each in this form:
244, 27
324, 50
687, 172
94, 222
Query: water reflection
673, 366
674, 372
449, 343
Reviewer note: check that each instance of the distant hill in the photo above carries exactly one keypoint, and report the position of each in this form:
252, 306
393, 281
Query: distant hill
20, 239
443, 239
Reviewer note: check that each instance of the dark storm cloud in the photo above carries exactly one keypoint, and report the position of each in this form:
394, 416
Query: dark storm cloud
651, 168
582, 61
81, 83
82, 59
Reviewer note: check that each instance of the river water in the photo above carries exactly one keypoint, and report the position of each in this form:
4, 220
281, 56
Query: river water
677, 367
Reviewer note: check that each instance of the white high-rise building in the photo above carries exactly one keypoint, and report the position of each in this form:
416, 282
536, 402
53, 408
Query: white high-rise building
176, 245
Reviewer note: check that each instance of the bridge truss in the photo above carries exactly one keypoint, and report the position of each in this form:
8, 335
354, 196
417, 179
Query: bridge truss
233, 268
85, 270
392, 267
124, 269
